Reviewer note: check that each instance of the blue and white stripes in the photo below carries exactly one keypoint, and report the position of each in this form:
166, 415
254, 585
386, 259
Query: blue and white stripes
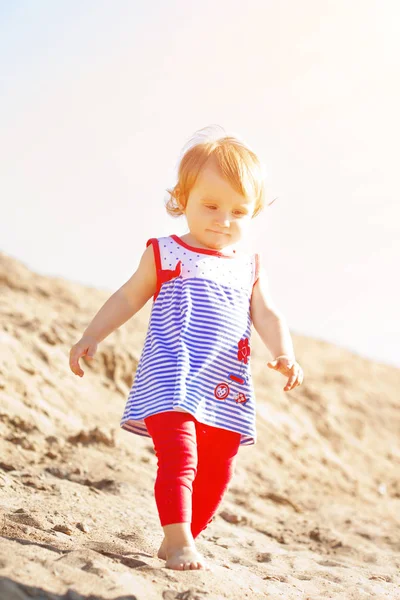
190, 356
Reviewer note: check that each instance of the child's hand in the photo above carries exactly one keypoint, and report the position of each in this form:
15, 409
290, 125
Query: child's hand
86, 347
291, 368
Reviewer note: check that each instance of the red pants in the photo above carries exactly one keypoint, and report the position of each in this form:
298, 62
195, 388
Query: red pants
195, 464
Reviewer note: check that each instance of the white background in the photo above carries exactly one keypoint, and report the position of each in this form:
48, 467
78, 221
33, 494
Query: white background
98, 98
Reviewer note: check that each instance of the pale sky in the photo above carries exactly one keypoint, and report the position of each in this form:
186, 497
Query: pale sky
98, 99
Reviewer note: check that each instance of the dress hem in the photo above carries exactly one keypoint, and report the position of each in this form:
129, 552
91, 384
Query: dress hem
139, 427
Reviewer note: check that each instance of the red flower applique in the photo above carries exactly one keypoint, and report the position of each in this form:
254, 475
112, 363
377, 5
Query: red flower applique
243, 350
240, 398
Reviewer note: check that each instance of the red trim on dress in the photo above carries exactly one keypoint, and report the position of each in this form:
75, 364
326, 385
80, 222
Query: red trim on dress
163, 275
157, 258
200, 250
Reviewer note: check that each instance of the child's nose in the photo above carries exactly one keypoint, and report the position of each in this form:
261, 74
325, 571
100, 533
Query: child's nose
223, 219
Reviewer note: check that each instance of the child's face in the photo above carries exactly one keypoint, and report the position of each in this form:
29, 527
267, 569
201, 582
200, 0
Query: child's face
217, 215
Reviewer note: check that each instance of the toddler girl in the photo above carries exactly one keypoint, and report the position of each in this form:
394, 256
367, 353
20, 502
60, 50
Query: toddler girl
193, 392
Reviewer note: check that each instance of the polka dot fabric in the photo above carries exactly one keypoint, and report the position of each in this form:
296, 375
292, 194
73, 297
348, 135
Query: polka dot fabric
238, 273
196, 355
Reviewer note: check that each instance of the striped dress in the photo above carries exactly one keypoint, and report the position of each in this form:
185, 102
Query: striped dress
196, 355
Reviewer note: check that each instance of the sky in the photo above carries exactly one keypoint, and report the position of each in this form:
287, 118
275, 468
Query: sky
97, 100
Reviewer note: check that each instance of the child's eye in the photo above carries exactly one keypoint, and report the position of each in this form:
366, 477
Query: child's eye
237, 213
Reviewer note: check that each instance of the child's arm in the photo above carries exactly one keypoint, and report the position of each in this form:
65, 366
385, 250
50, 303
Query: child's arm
271, 326
120, 307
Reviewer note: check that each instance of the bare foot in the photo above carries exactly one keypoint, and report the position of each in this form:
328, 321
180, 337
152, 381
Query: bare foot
185, 558
162, 552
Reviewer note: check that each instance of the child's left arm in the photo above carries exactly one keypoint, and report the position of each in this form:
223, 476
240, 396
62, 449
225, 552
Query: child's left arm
271, 326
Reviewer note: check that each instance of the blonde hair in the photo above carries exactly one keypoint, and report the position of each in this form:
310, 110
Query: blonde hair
238, 164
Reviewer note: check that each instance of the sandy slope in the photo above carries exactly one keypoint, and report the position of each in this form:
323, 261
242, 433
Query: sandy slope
312, 513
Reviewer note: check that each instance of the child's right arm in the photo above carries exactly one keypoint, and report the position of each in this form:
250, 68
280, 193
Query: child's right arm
120, 307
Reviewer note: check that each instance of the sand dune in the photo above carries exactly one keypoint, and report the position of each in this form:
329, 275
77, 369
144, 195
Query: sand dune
313, 511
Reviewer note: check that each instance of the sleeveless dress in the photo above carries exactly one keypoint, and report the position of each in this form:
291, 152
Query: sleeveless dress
196, 354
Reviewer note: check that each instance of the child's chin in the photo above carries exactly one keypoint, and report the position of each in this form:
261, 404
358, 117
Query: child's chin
220, 239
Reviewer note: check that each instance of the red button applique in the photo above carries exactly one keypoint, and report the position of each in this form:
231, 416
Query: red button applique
221, 391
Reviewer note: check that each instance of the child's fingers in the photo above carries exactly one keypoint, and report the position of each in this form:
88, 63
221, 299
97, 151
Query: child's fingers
286, 367
74, 365
290, 383
85, 348
76, 368
295, 379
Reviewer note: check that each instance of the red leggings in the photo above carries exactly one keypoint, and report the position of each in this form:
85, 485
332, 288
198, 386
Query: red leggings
195, 464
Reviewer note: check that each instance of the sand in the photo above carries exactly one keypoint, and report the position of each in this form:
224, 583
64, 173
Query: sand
313, 511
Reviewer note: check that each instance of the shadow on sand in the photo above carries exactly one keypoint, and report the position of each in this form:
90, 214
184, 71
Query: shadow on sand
11, 590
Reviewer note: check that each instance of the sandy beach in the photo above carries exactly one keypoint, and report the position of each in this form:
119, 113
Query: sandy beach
312, 513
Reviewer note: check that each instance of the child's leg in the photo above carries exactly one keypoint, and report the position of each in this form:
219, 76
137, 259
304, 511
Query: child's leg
217, 450
174, 438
